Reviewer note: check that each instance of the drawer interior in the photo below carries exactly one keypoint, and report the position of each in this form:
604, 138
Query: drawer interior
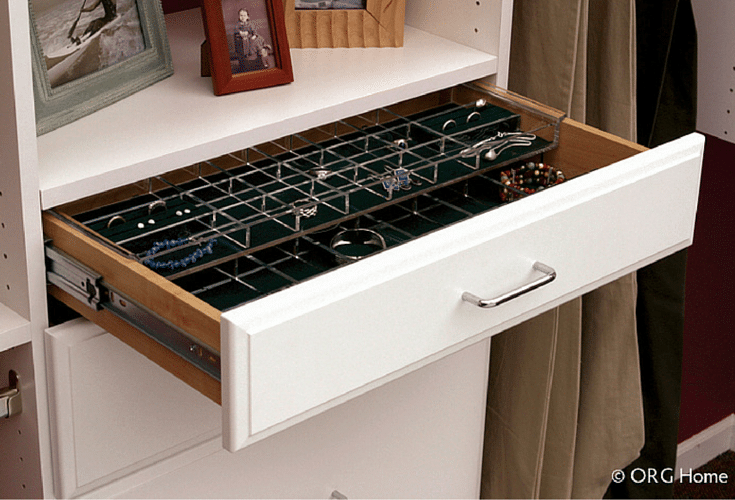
221, 209
201, 240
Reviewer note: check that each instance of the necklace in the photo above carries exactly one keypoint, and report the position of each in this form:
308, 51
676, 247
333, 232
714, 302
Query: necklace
175, 264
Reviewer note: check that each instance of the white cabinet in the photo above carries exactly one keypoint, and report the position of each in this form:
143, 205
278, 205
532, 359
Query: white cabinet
326, 385
417, 437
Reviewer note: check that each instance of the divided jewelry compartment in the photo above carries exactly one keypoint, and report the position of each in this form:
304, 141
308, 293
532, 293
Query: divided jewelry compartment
193, 243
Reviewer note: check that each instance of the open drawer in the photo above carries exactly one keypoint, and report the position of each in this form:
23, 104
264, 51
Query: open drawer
258, 290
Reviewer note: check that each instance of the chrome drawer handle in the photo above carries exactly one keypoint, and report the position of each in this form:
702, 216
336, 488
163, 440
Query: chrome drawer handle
549, 275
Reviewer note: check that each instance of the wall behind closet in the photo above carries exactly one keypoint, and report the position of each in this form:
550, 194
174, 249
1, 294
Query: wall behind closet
708, 380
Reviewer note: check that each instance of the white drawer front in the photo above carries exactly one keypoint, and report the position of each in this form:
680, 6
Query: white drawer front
291, 355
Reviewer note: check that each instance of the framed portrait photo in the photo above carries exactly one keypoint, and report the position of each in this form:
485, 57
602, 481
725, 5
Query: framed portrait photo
88, 54
247, 44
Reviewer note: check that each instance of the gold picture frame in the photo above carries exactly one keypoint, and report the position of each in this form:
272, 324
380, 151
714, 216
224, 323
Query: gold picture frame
380, 24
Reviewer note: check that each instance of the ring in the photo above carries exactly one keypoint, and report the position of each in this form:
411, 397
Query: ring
156, 204
401, 143
473, 115
319, 172
448, 123
306, 210
480, 103
354, 244
115, 219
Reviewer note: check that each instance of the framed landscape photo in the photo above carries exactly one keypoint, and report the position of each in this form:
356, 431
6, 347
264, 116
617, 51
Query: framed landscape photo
247, 44
88, 54
345, 23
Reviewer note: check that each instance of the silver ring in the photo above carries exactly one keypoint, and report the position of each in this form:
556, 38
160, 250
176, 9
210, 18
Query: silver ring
308, 209
364, 241
401, 143
319, 172
480, 103
473, 115
156, 204
115, 219
448, 123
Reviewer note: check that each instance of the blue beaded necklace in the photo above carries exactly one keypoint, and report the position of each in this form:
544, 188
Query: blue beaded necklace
175, 264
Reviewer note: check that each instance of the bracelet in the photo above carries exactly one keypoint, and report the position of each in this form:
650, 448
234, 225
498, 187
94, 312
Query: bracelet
528, 179
362, 242
175, 264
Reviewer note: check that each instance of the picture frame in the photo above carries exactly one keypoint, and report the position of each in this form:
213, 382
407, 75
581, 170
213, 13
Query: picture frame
247, 47
379, 24
88, 54
330, 4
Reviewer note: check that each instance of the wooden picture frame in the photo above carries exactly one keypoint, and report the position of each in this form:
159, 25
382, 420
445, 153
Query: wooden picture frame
380, 24
247, 47
88, 54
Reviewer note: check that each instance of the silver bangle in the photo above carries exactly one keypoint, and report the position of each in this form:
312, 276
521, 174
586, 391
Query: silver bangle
370, 241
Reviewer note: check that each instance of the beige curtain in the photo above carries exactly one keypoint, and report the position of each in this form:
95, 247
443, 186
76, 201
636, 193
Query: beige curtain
564, 405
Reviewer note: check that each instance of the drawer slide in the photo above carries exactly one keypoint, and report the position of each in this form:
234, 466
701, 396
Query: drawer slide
89, 288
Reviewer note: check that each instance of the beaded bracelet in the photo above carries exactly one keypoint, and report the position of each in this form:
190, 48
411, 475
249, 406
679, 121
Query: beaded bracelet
175, 264
528, 179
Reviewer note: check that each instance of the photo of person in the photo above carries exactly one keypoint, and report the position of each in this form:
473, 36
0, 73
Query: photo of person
78, 38
248, 35
329, 4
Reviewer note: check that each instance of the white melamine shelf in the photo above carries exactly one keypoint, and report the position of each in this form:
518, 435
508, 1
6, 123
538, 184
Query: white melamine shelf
179, 121
14, 330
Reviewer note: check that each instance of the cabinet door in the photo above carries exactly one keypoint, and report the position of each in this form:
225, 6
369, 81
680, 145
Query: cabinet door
318, 344
115, 414
125, 427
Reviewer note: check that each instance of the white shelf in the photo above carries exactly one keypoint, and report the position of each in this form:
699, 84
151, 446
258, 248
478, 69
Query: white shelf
179, 121
14, 329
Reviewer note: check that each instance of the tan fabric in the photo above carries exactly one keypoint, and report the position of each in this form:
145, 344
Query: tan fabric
610, 431
532, 407
564, 401
578, 56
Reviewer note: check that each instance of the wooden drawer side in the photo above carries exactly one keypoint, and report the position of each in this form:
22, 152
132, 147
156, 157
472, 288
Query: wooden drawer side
133, 279
156, 352
583, 149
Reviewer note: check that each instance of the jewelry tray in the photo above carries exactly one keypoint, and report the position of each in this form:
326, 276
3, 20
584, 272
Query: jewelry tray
252, 222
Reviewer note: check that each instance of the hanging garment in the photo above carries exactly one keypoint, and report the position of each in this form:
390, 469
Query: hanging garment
667, 109
564, 399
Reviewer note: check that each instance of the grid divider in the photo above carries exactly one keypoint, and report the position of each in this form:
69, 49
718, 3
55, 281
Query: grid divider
379, 170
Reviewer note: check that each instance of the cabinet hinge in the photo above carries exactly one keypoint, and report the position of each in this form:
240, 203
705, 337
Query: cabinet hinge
11, 402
